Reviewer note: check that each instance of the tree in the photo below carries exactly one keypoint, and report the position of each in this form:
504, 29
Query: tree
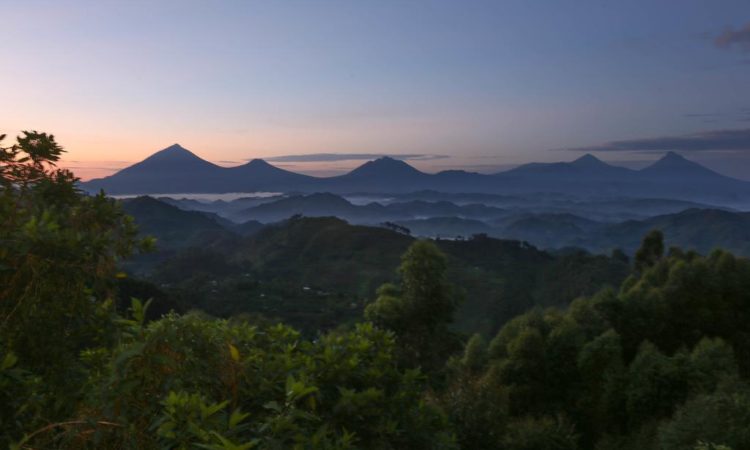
475, 354
721, 418
656, 384
420, 309
651, 250
619, 255
58, 256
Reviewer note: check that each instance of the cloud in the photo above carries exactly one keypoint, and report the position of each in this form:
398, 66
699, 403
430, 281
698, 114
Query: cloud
700, 115
740, 115
111, 169
731, 38
707, 141
331, 157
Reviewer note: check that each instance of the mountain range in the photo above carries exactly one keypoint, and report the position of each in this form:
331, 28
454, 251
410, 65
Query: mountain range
177, 170
701, 229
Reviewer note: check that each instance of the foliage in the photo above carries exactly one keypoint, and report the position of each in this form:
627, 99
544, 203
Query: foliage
659, 364
187, 381
651, 250
420, 309
720, 418
58, 260
21, 396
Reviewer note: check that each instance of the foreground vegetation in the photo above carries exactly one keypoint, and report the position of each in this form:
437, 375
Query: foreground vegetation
662, 362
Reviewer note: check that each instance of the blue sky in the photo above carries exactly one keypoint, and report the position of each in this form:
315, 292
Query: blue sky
480, 85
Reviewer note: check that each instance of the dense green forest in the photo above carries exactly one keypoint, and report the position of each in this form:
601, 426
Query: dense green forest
658, 360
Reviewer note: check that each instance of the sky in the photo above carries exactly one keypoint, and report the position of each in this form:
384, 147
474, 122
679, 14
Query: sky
321, 86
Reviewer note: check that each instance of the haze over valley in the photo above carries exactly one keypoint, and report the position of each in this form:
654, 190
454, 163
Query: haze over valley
584, 203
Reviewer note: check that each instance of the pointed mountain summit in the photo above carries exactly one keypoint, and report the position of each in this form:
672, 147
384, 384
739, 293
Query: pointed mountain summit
386, 167
259, 167
587, 165
381, 175
172, 159
171, 170
175, 153
675, 165
673, 160
589, 161
259, 163
258, 174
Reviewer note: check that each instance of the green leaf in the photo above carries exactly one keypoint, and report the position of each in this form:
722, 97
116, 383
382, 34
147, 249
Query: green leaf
234, 353
273, 405
9, 361
208, 411
236, 417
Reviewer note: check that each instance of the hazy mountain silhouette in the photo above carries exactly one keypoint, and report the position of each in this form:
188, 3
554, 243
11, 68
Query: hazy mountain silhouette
177, 170
446, 227
258, 175
172, 227
389, 174
675, 176
327, 204
588, 166
701, 229
586, 175
314, 205
673, 165
698, 228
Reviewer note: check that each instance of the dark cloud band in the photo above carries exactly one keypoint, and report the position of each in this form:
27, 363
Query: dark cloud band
730, 38
330, 157
707, 141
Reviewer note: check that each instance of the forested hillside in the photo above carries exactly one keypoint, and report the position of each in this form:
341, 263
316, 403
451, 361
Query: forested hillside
542, 358
318, 273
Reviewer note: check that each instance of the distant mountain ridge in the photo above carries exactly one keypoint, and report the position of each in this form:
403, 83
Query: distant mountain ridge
702, 229
585, 165
327, 204
177, 170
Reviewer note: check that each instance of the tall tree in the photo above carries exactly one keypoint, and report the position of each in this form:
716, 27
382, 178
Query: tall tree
651, 250
419, 310
58, 255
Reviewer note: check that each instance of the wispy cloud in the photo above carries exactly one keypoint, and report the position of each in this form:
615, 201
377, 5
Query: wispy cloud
104, 169
740, 115
706, 141
731, 38
331, 157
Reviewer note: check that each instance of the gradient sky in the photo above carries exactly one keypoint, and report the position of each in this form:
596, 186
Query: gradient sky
481, 85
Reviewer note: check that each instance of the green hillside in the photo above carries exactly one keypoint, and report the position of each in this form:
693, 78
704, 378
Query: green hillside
173, 228
322, 271
702, 230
